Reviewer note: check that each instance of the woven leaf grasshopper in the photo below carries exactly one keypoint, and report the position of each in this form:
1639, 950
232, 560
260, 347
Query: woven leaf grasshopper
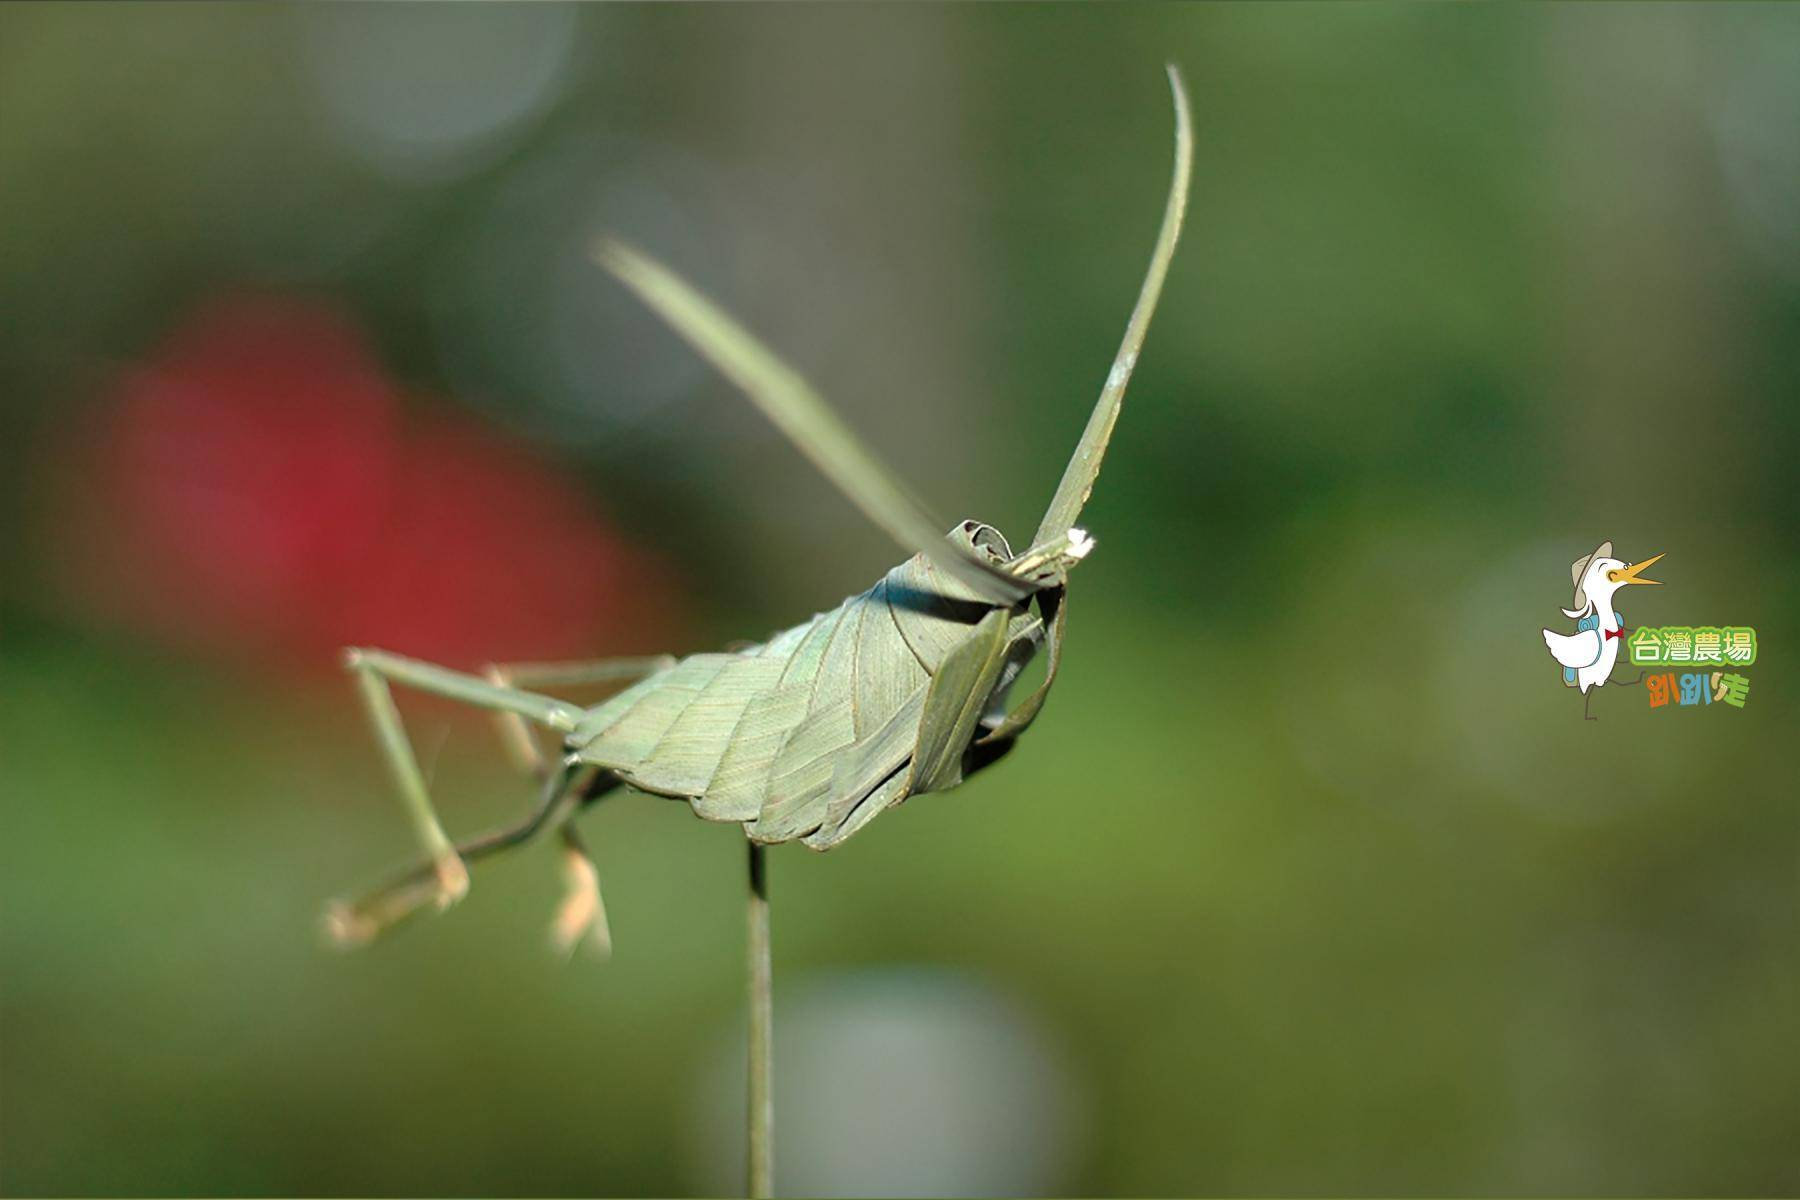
810, 735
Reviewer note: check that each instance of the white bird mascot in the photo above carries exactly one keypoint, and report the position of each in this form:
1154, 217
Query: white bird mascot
1587, 656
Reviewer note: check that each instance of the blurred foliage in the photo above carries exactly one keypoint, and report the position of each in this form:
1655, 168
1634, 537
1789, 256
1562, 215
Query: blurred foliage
1311, 864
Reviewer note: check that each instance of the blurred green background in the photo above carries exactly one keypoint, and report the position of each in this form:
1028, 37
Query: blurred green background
1310, 880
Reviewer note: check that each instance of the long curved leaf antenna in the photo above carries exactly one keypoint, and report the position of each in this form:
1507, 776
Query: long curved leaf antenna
1084, 466
800, 413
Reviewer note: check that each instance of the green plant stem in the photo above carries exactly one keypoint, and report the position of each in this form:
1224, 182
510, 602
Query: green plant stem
761, 1182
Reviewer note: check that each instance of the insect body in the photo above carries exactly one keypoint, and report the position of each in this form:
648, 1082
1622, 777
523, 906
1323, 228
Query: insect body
830, 723
810, 735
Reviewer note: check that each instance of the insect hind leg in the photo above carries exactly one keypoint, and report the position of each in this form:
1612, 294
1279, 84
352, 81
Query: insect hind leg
355, 923
375, 671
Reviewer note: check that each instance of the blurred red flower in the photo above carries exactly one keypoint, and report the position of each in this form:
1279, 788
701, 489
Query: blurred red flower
258, 488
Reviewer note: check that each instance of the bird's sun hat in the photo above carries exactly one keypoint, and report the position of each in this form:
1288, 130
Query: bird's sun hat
1577, 570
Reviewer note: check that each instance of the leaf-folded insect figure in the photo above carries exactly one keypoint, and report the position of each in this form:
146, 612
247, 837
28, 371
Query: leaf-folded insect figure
809, 736
812, 734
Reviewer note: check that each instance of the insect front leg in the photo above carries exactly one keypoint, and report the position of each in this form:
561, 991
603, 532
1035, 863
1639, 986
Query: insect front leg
374, 671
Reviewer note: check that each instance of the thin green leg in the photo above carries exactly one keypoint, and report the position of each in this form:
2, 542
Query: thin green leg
358, 922
517, 735
470, 689
375, 670
581, 916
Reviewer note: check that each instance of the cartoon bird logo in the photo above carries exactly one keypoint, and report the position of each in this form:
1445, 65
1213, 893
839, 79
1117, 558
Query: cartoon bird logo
1587, 655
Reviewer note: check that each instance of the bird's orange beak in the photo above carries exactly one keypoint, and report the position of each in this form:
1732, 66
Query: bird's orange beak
1630, 574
